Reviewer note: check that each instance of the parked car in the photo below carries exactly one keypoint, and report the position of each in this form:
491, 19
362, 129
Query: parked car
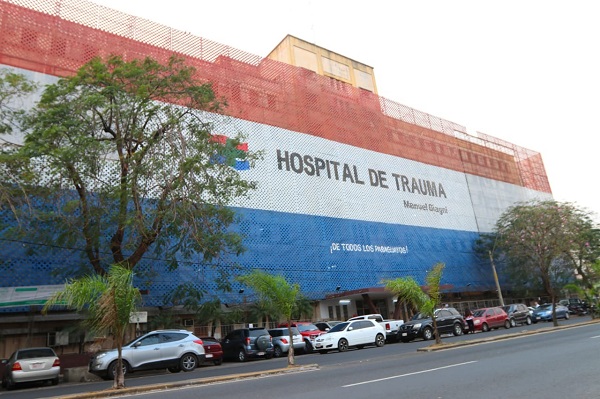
245, 343
391, 327
544, 313
575, 305
174, 350
309, 332
30, 364
518, 313
281, 340
326, 325
213, 350
448, 320
358, 333
485, 319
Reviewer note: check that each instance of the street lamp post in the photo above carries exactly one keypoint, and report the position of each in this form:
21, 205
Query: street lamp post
496, 279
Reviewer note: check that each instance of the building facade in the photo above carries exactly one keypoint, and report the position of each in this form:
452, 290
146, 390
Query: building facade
353, 188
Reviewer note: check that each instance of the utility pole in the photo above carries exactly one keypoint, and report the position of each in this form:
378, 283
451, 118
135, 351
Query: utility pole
496, 279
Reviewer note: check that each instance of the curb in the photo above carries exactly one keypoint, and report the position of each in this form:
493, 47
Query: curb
435, 348
199, 381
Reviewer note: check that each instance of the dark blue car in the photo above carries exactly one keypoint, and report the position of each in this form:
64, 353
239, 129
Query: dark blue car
544, 313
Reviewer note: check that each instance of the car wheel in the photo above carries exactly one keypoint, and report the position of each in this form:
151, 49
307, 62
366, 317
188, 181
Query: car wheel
485, 327
112, 369
241, 357
458, 329
174, 369
218, 362
323, 351
507, 324
343, 345
427, 333
513, 323
263, 342
379, 340
188, 362
9, 384
567, 316
528, 321
277, 351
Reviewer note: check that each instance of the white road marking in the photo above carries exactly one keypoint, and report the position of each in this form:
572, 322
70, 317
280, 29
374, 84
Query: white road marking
409, 374
597, 336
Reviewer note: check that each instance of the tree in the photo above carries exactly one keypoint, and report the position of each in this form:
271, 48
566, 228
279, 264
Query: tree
108, 302
542, 240
427, 300
121, 159
275, 290
13, 88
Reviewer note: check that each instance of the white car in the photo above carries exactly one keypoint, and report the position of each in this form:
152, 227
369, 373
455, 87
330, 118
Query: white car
348, 334
31, 364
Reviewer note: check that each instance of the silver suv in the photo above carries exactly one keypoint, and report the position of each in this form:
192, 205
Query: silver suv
175, 350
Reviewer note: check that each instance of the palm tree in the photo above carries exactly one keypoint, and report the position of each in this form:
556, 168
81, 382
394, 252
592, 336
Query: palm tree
279, 294
428, 300
108, 301
213, 314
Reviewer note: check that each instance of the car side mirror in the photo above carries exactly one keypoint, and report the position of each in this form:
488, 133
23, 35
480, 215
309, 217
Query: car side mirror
137, 344
350, 328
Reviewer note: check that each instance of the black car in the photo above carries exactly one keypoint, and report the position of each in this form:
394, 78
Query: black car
448, 320
575, 305
518, 313
245, 343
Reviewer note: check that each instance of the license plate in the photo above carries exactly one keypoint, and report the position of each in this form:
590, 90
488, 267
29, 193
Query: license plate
209, 355
319, 345
36, 366
404, 334
261, 353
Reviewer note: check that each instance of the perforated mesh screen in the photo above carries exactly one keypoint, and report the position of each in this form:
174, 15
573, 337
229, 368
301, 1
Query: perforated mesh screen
294, 220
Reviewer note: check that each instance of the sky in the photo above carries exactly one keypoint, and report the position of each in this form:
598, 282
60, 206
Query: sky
527, 72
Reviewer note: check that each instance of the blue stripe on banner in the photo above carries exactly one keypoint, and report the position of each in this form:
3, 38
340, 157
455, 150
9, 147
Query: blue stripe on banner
242, 165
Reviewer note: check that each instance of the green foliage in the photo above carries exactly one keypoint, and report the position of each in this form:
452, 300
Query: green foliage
121, 159
541, 239
426, 300
275, 294
13, 87
108, 302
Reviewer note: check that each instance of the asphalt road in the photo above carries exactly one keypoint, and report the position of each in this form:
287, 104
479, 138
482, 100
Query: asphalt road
551, 365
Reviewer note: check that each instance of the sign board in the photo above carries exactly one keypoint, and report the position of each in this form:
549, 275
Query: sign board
138, 317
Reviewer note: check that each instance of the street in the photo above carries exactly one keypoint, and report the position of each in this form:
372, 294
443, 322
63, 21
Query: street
561, 363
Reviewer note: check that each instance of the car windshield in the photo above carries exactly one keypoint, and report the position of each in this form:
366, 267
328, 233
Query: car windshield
339, 327
545, 307
478, 312
258, 333
420, 316
33, 353
307, 327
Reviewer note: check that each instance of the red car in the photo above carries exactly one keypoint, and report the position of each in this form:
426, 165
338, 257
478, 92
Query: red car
213, 350
309, 331
487, 318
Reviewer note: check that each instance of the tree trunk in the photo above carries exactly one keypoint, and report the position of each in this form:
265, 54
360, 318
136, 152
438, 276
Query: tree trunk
290, 357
